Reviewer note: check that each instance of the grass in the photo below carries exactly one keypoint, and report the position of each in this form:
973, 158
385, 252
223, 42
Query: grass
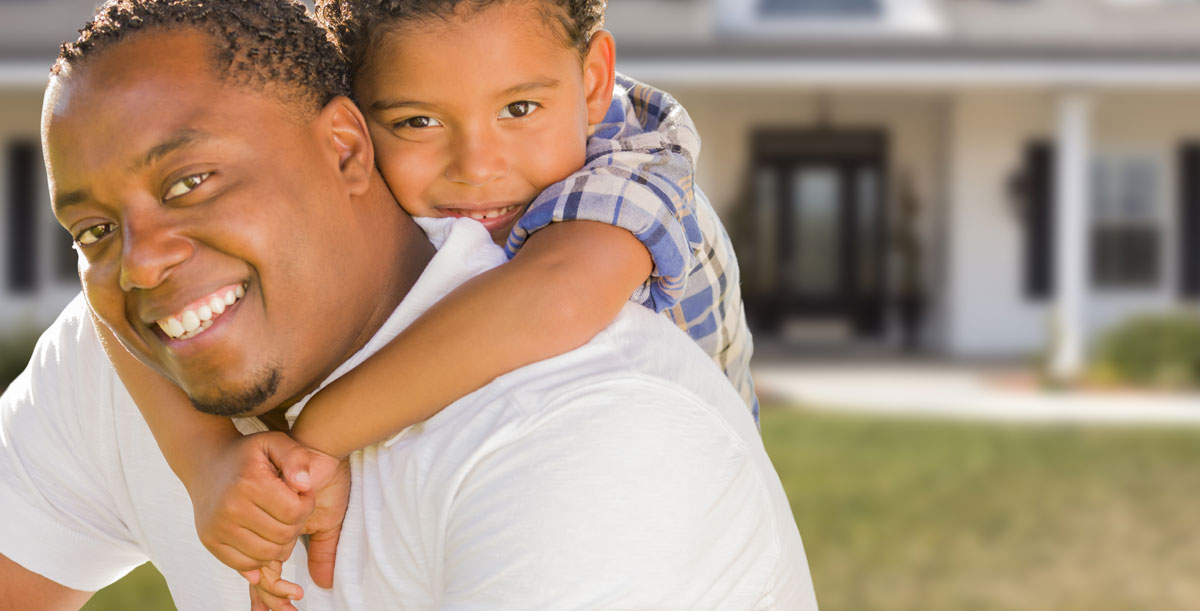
930, 516
905, 514
141, 590
15, 350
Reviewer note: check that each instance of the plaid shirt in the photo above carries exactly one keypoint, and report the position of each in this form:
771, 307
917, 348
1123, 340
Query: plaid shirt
640, 176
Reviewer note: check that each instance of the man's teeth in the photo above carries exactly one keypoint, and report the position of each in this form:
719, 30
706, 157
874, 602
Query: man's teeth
488, 214
197, 318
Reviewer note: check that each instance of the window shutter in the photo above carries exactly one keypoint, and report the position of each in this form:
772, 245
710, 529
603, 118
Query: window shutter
1189, 219
21, 241
1039, 220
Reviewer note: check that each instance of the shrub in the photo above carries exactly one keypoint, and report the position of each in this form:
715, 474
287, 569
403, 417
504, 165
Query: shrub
1161, 351
15, 351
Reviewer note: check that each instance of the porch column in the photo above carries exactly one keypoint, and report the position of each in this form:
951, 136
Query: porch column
1072, 223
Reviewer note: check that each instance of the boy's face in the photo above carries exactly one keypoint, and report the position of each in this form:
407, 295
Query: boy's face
474, 116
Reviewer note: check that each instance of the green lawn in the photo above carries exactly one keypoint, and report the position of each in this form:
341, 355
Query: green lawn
938, 516
930, 516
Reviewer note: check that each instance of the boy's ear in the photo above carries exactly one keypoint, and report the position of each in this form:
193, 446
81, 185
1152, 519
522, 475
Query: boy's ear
599, 71
345, 129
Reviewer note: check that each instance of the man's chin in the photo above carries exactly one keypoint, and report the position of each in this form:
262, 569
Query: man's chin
249, 401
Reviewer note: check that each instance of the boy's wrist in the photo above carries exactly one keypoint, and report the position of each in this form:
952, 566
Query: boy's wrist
202, 458
307, 433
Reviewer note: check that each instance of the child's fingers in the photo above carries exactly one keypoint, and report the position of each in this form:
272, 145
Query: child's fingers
261, 601
251, 576
258, 524
322, 553
277, 499
256, 601
274, 590
291, 459
280, 589
234, 559
247, 544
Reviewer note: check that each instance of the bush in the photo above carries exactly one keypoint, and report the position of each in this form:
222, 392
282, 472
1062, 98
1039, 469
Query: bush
15, 351
1161, 351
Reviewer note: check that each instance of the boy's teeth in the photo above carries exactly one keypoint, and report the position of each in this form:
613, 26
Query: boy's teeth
489, 214
205, 313
217, 305
230, 298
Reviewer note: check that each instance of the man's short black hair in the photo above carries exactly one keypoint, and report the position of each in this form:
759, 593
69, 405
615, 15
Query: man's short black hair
255, 42
358, 24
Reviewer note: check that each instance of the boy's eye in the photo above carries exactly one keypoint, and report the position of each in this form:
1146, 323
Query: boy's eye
516, 110
93, 234
417, 123
185, 185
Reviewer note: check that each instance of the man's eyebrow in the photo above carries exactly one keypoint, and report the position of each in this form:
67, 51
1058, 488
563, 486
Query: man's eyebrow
386, 104
177, 141
60, 202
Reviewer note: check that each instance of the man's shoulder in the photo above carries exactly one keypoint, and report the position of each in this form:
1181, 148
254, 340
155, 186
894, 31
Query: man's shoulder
641, 359
71, 342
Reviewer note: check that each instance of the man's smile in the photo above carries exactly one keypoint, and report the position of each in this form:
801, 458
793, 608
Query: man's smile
198, 316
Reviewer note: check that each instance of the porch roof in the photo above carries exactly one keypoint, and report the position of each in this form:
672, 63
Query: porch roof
925, 63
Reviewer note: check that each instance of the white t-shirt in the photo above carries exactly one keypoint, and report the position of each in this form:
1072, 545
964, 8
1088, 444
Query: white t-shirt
625, 474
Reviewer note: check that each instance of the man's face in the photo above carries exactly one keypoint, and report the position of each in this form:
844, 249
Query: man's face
476, 115
214, 238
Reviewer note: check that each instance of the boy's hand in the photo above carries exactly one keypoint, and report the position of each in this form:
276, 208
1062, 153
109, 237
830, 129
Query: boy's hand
331, 493
246, 514
327, 481
271, 593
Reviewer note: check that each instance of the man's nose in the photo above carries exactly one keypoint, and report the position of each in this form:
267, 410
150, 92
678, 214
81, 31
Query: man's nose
477, 159
151, 249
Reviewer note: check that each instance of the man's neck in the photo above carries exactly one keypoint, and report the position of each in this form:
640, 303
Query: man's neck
408, 251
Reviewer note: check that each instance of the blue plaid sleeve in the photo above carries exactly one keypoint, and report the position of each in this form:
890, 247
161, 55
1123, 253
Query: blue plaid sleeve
639, 175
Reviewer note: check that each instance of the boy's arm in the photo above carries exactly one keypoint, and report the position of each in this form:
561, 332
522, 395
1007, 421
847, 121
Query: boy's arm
563, 287
244, 512
185, 435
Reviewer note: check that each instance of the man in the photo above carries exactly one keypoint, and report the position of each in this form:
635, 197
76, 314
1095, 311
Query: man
201, 150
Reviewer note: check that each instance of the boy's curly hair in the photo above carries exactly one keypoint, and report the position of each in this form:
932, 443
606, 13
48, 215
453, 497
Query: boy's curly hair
264, 42
357, 24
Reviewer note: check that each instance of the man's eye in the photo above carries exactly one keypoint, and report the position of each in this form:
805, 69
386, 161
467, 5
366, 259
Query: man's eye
417, 123
516, 110
185, 185
93, 234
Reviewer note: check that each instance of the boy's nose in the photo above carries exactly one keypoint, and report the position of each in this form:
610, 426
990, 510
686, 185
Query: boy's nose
150, 251
477, 160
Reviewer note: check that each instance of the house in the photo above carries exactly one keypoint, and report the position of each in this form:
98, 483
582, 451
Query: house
994, 177
37, 264
978, 177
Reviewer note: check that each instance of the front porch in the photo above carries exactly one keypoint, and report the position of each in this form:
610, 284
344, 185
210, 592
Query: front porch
923, 212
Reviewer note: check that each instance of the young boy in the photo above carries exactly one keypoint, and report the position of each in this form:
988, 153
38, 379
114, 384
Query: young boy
502, 111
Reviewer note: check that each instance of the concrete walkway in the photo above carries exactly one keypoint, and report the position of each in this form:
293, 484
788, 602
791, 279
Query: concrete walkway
995, 393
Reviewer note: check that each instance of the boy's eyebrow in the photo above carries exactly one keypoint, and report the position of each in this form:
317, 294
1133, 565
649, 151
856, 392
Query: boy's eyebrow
547, 83
386, 104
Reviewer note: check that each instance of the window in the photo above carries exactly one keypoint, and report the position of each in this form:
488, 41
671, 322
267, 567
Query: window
820, 8
1127, 220
38, 255
21, 164
786, 18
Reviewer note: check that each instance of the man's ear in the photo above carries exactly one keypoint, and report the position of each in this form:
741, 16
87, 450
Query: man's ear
599, 70
345, 129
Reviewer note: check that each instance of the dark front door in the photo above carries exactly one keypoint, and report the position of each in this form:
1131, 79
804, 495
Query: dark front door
823, 194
